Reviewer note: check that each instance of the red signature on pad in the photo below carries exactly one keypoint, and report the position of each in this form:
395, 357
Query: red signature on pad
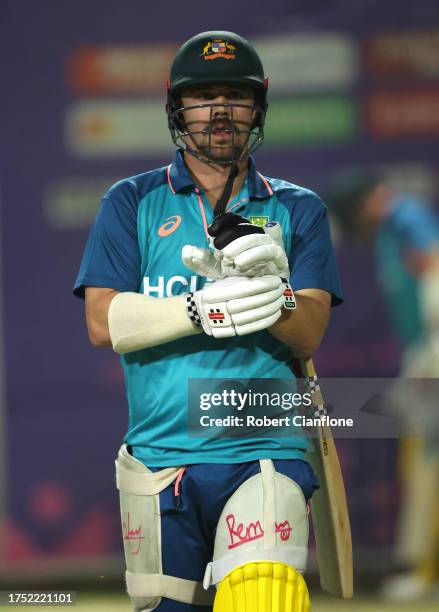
132, 535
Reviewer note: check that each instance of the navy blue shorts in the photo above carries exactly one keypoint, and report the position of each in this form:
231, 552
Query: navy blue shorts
189, 522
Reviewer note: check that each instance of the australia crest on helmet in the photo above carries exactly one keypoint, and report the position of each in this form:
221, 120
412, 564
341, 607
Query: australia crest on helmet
219, 47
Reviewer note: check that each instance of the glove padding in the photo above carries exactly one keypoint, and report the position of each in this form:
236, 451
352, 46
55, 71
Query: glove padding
255, 255
240, 248
236, 306
202, 261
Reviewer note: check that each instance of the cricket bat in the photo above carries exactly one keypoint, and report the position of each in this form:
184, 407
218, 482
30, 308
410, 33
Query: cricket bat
329, 510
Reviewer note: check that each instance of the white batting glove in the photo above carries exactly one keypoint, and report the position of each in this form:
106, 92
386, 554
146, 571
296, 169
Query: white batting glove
257, 254
202, 262
236, 306
239, 248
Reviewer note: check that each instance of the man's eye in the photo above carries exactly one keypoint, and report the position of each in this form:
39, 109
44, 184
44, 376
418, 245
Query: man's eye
236, 95
204, 95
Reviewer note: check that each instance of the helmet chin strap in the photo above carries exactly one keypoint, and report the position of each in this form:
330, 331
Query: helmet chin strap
220, 206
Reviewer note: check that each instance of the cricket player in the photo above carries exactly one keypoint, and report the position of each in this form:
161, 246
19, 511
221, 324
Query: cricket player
404, 234
188, 273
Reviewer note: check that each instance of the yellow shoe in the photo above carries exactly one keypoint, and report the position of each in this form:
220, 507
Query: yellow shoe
263, 586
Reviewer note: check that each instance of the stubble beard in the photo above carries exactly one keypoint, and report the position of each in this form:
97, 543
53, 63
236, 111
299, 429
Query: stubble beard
220, 152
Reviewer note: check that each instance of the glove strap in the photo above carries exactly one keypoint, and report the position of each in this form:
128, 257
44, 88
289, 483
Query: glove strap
290, 300
192, 310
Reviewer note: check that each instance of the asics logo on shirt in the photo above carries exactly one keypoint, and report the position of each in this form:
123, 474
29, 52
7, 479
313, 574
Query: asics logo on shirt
171, 224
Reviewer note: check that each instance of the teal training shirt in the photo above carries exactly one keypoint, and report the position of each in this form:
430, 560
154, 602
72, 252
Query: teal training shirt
135, 244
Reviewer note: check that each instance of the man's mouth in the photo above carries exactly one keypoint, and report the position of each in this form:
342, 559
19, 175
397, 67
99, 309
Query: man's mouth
221, 129
220, 132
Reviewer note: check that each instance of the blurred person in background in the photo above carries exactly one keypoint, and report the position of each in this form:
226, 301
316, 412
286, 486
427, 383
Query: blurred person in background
404, 234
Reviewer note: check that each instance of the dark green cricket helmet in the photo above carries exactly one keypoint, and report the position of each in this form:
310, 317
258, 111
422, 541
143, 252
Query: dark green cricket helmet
217, 57
211, 58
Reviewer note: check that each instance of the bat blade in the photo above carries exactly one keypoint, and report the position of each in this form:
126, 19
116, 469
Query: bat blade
329, 508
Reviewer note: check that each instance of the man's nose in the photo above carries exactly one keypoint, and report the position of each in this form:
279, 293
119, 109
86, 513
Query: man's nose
221, 108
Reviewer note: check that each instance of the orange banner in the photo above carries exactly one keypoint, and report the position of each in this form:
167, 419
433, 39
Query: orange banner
404, 54
396, 114
123, 69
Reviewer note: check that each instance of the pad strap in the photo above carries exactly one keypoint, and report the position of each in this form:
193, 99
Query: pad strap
269, 500
144, 483
159, 585
295, 556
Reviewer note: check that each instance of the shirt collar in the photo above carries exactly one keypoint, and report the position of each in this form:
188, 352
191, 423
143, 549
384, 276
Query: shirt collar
180, 178
178, 174
258, 186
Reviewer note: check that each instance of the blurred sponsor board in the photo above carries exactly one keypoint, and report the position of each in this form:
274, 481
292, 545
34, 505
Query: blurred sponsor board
404, 54
98, 128
71, 203
311, 120
116, 129
120, 69
292, 63
408, 113
307, 62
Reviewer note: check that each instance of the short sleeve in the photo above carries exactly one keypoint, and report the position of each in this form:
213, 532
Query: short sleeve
112, 257
312, 259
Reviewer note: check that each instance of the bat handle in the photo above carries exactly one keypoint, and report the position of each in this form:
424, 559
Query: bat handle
304, 367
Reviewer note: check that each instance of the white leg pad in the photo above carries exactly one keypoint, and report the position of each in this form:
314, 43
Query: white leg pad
141, 527
266, 519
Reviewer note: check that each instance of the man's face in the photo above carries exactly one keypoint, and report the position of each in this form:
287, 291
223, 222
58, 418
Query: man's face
219, 131
374, 208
